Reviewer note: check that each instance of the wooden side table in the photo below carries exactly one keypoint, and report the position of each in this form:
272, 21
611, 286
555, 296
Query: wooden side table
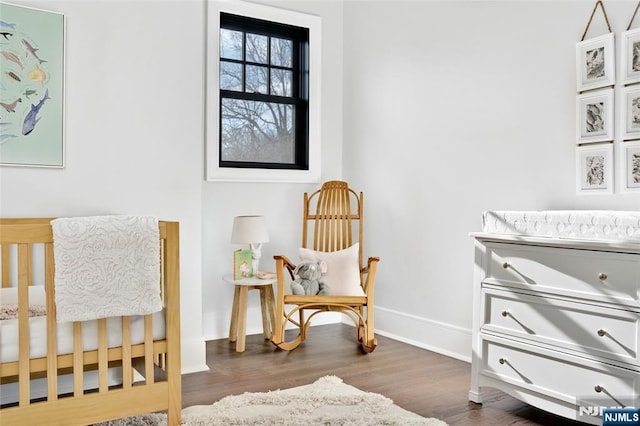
237, 329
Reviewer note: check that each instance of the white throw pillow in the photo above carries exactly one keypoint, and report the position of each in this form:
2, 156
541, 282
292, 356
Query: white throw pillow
343, 270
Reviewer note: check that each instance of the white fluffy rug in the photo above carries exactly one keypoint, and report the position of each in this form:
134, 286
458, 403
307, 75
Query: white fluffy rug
327, 401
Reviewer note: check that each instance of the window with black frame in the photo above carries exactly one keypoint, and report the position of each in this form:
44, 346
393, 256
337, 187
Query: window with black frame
264, 94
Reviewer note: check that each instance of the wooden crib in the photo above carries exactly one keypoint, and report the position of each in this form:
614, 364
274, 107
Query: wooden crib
158, 362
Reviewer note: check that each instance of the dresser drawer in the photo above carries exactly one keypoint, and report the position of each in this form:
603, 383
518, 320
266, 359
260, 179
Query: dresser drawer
596, 275
562, 377
590, 329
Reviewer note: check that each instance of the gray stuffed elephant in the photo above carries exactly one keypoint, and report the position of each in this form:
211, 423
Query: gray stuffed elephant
309, 275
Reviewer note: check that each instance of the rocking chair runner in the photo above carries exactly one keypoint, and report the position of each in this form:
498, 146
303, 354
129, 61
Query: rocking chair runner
335, 211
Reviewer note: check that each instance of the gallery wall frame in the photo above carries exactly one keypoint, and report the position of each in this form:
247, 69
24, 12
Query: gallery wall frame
32, 111
630, 56
594, 169
630, 112
595, 116
595, 62
629, 153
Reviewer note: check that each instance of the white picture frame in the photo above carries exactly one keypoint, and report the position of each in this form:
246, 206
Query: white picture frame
630, 122
33, 121
630, 61
630, 166
595, 112
595, 62
594, 169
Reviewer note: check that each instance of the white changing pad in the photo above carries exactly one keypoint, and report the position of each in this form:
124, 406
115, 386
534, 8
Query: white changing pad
577, 224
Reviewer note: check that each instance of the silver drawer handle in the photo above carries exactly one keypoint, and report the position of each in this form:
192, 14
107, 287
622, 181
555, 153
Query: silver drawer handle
602, 276
602, 332
502, 360
598, 388
505, 265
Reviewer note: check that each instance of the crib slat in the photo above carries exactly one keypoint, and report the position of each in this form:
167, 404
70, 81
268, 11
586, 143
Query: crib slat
24, 267
148, 349
163, 285
103, 359
52, 339
6, 265
127, 373
172, 311
78, 369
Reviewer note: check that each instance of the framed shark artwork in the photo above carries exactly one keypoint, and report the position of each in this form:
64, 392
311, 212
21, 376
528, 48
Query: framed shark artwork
32, 61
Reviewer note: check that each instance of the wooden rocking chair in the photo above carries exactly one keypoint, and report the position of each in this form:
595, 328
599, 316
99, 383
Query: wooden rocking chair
335, 212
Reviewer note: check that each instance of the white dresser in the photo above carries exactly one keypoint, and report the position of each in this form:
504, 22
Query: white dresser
556, 320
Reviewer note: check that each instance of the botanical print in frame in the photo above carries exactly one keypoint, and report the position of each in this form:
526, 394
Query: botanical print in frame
630, 61
595, 62
630, 161
31, 87
595, 116
594, 169
631, 112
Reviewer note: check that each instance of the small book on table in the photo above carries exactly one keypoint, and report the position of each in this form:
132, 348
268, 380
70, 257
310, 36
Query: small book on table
242, 264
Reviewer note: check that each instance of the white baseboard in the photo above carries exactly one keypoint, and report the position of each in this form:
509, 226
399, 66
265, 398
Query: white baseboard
193, 356
216, 325
435, 336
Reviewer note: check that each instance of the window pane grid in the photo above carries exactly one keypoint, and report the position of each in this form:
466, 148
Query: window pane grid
245, 49
263, 103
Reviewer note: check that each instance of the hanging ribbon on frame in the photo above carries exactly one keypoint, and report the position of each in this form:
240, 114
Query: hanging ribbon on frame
634, 16
606, 18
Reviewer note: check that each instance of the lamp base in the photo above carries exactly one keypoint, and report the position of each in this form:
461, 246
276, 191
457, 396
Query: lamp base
256, 254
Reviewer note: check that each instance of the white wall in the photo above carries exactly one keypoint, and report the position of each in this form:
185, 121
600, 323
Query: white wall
134, 131
450, 109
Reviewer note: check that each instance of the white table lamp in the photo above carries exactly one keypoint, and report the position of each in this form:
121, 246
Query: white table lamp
250, 230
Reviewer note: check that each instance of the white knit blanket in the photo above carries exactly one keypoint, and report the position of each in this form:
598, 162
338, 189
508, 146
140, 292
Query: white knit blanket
106, 266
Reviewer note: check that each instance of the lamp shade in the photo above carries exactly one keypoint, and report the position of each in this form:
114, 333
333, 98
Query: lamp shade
249, 230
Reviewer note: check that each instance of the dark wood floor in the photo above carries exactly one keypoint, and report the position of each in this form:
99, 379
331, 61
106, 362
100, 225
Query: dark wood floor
424, 382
